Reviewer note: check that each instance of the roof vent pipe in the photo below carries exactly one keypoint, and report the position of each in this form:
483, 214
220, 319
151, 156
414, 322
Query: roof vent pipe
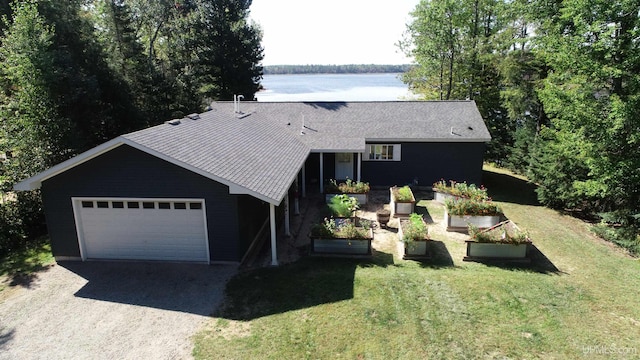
239, 97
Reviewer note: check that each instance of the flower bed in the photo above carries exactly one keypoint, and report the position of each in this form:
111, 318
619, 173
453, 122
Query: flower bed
504, 241
402, 201
413, 237
357, 189
460, 213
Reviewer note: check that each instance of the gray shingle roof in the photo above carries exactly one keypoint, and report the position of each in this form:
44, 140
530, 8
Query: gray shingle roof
261, 152
258, 158
345, 125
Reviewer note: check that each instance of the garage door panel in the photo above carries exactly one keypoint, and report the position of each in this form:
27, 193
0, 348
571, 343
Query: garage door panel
143, 234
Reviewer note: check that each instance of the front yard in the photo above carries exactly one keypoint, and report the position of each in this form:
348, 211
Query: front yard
578, 298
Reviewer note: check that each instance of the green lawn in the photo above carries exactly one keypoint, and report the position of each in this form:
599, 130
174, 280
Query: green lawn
578, 299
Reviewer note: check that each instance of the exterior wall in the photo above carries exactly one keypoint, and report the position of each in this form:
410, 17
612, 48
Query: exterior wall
128, 172
252, 213
427, 163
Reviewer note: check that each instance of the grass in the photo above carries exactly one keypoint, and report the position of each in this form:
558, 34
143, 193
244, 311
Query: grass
579, 298
20, 268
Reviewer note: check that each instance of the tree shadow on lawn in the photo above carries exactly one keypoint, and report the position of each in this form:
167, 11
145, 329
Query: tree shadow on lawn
507, 188
22, 267
309, 282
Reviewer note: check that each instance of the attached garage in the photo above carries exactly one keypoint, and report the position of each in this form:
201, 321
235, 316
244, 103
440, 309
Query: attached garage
142, 229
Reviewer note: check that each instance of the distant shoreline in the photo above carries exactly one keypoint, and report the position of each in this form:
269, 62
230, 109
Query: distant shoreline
334, 69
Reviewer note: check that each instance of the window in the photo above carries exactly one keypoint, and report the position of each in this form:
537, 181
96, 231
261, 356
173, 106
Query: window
103, 204
180, 205
133, 205
117, 204
195, 206
87, 204
148, 205
164, 205
382, 152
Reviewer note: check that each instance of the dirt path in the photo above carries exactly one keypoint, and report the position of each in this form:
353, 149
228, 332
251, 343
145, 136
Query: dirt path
107, 310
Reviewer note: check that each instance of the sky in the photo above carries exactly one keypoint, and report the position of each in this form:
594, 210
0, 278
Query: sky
332, 32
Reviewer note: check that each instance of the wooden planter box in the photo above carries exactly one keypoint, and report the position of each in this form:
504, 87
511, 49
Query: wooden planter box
401, 208
412, 249
461, 222
496, 251
362, 198
342, 246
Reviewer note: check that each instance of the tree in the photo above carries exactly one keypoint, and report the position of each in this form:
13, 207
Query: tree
454, 46
592, 95
231, 51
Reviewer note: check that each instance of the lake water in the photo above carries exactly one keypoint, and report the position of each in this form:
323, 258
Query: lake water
333, 87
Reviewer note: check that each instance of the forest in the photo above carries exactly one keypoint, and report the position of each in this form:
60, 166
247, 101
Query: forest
558, 84
76, 73
334, 69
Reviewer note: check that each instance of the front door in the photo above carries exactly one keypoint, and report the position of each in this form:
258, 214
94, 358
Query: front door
344, 166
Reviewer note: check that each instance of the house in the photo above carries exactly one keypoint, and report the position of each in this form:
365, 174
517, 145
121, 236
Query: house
203, 188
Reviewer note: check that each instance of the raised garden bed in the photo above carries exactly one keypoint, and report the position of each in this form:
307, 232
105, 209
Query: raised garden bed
413, 237
341, 237
460, 213
456, 190
504, 242
402, 201
357, 189
461, 223
362, 198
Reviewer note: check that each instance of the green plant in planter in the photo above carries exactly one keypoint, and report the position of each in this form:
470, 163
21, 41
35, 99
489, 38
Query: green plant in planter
403, 194
347, 230
326, 229
461, 190
350, 231
347, 187
461, 207
414, 229
505, 232
343, 205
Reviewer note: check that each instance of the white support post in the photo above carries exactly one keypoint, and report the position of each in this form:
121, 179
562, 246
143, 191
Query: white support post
287, 230
321, 173
272, 223
304, 181
359, 166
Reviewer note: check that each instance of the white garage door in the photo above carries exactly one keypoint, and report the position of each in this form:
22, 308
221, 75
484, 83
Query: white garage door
142, 229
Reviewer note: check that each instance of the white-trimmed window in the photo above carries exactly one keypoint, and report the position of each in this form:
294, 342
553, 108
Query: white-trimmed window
382, 152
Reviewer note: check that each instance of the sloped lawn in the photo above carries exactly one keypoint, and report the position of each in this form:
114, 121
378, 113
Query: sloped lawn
578, 299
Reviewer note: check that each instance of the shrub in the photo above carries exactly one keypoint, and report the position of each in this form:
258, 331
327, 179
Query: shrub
343, 205
461, 206
462, 190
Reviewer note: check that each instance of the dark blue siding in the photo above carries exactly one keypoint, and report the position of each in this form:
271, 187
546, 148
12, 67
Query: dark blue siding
128, 172
428, 163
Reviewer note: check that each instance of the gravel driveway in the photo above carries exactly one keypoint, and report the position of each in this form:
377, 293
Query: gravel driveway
110, 310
